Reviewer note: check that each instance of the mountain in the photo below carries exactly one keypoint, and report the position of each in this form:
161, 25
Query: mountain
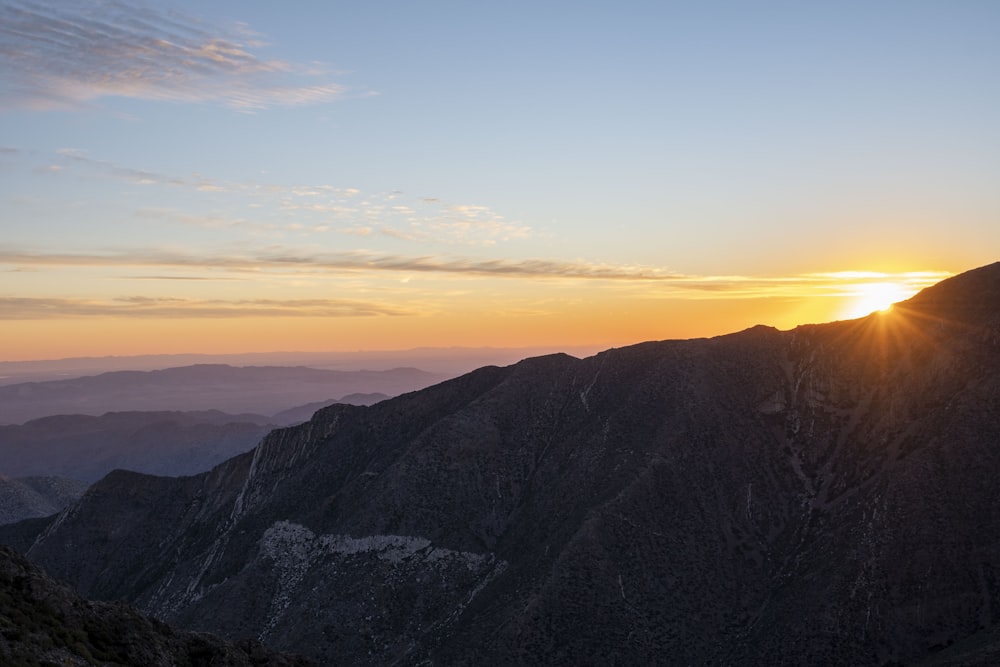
43, 622
443, 361
165, 443
303, 413
28, 497
825, 495
254, 389
86, 448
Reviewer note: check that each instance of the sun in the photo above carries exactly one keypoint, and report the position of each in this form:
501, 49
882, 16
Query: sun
873, 297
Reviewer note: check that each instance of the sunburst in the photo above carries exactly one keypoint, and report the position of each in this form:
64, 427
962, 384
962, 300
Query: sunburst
874, 297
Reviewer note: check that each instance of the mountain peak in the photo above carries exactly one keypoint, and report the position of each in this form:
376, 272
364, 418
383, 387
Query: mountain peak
970, 298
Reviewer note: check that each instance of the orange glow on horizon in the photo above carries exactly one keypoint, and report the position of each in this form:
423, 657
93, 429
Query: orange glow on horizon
601, 323
505, 313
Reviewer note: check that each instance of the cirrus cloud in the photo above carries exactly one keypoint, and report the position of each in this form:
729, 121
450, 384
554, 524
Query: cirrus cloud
43, 308
59, 54
362, 262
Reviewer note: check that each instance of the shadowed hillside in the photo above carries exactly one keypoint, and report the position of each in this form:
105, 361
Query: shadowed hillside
43, 622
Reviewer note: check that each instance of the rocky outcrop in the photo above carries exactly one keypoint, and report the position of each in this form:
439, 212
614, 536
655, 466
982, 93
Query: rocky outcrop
824, 495
43, 622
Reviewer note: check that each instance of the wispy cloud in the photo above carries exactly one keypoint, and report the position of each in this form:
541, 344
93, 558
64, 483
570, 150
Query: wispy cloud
315, 208
108, 169
203, 221
15, 308
130, 174
65, 53
346, 262
417, 220
290, 260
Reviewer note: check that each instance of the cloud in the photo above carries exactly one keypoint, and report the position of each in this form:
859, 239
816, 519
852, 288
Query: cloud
203, 221
347, 262
58, 54
18, 308
319, 208
129, 174
466, 221
659, 282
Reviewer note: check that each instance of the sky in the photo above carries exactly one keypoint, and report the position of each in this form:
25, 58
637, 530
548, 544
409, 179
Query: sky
225, 176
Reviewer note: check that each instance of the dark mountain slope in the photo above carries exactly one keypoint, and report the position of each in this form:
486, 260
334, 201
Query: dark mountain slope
43, 622
820, 496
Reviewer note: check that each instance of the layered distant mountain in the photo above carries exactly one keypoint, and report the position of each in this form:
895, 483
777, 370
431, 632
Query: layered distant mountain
443, 361
826, 495
43, 622
254, 389
303, 413
86, 448
163, 443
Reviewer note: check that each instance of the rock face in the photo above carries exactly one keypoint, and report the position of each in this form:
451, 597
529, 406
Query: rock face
43, 622
825, 495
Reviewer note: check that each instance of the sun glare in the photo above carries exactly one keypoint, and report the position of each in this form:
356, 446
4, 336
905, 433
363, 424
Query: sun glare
874, 297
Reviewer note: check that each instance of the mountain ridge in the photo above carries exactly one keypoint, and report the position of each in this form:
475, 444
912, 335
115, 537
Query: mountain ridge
767, 495
170, 442
232, 389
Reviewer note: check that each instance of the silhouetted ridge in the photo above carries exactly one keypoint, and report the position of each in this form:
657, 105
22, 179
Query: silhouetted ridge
971, 297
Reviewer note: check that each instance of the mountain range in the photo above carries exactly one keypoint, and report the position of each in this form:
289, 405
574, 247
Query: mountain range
86, 448
249, 389
825, 495
446, 362
47, 463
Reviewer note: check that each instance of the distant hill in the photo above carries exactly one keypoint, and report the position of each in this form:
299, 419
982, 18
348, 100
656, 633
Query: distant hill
84, 447
43, 622
31, 497
445, 362
253, 389
821, 496
163, 443
304, 413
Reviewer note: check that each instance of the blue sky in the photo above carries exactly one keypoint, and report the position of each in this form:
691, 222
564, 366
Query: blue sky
419, 160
